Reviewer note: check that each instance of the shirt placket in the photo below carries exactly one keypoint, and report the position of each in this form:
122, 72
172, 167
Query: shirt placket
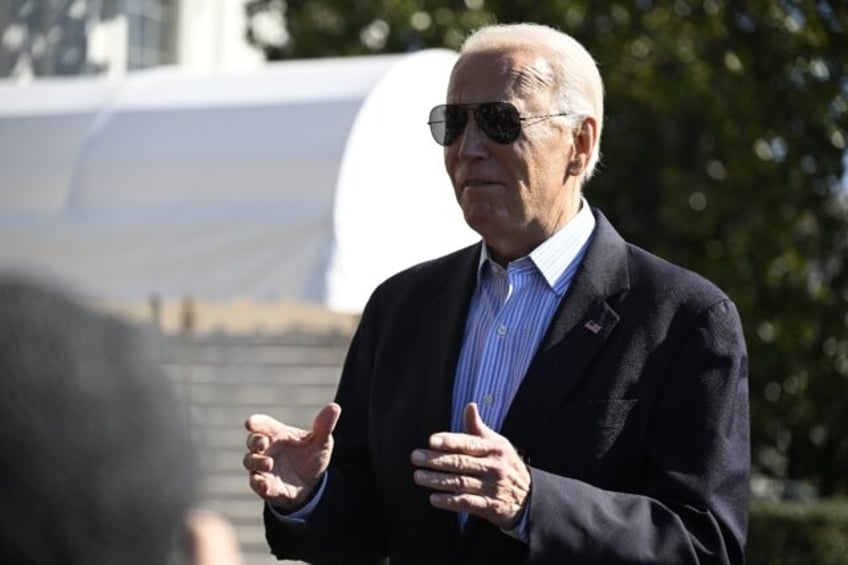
493, 383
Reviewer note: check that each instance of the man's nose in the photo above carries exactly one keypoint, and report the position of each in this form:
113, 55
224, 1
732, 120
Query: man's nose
473, 142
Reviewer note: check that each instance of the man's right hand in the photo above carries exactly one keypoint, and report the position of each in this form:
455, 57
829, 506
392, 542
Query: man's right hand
286, 464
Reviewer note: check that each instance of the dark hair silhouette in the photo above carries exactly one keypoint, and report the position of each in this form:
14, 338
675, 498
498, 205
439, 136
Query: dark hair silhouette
96, 461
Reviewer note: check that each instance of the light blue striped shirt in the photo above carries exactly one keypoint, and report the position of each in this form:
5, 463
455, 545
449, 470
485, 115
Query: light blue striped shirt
509, 314
508, 317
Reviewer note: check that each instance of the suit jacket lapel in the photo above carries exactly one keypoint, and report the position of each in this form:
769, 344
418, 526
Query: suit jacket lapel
442, 325
582, 323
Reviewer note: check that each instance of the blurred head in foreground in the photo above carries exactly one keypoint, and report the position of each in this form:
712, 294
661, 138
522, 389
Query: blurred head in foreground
96, 459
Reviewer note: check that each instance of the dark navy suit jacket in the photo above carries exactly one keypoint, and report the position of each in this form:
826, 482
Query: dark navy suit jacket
633, 417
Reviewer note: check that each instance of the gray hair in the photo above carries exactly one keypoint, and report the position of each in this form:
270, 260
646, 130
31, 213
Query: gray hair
577, 82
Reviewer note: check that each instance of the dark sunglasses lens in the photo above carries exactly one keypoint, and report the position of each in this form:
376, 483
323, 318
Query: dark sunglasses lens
499, 120
447, 122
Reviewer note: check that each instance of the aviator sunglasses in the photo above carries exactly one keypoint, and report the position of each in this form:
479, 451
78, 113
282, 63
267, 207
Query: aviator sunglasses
500, 121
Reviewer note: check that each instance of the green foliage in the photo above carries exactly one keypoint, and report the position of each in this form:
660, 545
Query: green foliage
798, 533
724, 151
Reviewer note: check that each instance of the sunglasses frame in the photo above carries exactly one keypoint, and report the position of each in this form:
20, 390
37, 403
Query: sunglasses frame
506, 135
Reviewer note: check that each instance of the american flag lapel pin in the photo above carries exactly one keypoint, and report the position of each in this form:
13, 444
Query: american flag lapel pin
593, 326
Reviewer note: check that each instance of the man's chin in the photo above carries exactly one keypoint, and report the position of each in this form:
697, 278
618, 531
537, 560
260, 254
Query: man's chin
484, 224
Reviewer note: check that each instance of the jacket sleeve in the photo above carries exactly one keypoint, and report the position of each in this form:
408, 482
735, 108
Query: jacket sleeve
346, 525
693, 506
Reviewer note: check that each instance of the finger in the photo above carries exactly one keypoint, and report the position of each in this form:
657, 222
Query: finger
325, 422
257, 443
267, 426
275, 430
450, 462
461, 443
474, 424
503, 515
257, 463
259, 483
468, 503
448, 482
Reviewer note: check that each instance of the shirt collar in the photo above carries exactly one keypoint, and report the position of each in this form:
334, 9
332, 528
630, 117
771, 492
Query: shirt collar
553, 256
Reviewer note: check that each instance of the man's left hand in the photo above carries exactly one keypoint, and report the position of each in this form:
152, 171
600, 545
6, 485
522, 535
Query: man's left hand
478, 472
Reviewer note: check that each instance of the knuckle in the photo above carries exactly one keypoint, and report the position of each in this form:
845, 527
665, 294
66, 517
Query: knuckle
256, 485
452, 482
470, 465
502, 471
459, 463
501, 450
257, 442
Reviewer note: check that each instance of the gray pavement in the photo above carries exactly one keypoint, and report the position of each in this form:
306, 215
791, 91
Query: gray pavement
223, 379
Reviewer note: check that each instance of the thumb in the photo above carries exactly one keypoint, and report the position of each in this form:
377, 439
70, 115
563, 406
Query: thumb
267, 425
325, 422
473, 423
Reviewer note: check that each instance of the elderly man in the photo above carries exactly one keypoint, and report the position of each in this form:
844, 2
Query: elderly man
551, 395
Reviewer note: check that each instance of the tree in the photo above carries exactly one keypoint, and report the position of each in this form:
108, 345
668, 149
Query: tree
49, 38
724, 151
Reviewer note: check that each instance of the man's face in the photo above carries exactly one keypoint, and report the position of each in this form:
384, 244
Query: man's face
516, 195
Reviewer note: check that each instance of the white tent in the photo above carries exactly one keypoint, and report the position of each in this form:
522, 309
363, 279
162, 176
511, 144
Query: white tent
307, 180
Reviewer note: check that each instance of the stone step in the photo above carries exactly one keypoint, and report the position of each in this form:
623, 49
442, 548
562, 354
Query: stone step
247, 510
250, 374
298, 338
224, 379
227, 484
222, 436
216, 417
239, 354
253, 394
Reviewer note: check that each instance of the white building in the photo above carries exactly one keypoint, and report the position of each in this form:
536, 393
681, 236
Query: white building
179, 164
310, 181
72, 37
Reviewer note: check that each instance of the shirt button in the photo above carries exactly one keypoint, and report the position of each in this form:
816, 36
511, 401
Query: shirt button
488, 399
502, 330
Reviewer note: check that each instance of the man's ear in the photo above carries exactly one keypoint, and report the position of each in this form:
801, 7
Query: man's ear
584, 140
